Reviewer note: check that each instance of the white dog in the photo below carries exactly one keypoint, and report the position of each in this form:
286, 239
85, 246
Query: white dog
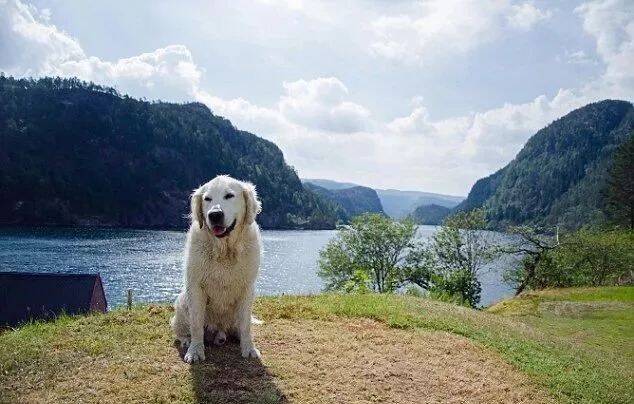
222, 257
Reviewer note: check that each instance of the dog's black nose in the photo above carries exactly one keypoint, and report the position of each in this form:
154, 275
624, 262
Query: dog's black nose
216, 217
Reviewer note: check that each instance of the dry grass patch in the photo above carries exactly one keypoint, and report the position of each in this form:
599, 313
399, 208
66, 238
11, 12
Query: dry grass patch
362, 361
130, 357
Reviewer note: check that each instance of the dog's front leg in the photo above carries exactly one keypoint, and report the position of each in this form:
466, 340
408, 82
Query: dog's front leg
197, 303
244, 329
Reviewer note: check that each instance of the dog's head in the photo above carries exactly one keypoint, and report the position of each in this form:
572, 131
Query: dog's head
224, 203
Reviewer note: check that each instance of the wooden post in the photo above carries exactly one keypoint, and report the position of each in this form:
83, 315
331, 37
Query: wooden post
129, 299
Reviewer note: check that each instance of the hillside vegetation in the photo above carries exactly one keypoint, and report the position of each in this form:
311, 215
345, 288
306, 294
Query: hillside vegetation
395, 203
73, 153
569, 345
349, 202
430, 214
560, 177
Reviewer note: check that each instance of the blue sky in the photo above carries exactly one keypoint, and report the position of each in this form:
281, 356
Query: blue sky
427, 95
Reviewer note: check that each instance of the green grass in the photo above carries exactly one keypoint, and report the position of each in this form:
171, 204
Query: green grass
576, 343
582, 355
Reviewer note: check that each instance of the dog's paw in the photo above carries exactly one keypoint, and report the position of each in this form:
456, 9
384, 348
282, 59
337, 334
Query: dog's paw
251, 352
220, 338
195, 353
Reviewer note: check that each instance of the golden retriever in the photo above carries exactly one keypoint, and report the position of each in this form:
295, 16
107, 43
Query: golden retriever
222, 258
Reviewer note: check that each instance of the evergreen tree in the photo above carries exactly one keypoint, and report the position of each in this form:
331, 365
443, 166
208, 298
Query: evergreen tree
621, 184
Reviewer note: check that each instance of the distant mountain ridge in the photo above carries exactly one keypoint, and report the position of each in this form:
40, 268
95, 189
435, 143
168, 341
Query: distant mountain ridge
75, 153
430, 214
560, 175
396, 204
351, 201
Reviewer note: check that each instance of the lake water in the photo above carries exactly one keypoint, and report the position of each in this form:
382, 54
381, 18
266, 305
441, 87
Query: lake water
150, 262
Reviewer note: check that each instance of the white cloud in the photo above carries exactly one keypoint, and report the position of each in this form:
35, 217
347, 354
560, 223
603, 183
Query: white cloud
524, 16
438, 27
578, 58
321, 104
416, 122
611, 23
31, 46
320, 128
290, 4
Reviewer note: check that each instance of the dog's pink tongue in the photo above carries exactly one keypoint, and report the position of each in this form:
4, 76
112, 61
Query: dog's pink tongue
218, 230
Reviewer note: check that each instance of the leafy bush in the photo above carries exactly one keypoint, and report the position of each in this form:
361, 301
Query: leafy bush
583, 258
378, 254
460, 248
374, 253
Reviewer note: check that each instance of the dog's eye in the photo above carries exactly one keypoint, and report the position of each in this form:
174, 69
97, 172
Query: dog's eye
229, 196
208, 199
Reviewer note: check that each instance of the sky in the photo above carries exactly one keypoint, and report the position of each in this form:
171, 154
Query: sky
419, 95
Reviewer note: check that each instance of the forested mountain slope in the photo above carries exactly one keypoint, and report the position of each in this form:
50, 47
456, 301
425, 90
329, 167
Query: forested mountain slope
352, 201
560, 176
73, 153
395, 203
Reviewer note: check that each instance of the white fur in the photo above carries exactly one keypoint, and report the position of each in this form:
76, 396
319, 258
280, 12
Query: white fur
220, 273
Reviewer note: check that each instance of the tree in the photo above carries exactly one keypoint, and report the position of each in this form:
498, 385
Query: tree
374, 253
581, 258
621, 184
461, 248
534, 248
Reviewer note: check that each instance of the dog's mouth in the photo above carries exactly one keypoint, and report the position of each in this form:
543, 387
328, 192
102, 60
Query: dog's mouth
222, 231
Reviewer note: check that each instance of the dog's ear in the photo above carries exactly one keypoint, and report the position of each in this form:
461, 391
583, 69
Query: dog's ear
197, 207
253, 206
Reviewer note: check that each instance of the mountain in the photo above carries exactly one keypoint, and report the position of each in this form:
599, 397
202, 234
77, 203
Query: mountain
74, 153
430, 214
481, 191
560, 176
329, 184
352, 201
396, 203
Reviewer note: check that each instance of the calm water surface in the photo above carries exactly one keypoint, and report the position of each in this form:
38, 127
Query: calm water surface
150, 262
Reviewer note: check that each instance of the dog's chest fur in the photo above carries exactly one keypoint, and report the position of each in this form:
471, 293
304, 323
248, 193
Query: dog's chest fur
227, 275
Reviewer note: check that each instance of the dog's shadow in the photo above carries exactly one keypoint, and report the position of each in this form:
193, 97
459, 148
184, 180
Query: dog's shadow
226, 377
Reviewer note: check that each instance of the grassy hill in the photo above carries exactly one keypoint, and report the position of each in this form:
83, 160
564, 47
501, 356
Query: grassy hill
571, 345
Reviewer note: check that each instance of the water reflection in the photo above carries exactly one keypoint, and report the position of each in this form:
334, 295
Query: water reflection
149, 262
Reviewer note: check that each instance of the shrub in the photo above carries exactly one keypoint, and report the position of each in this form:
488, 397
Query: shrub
583, 258
375, 253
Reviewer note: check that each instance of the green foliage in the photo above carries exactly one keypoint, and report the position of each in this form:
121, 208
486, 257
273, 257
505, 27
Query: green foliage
621, 185
77, 153
378, 254
582, 258
559, 176
373, 253
581, 353
430, 214
349, 202
461, 248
